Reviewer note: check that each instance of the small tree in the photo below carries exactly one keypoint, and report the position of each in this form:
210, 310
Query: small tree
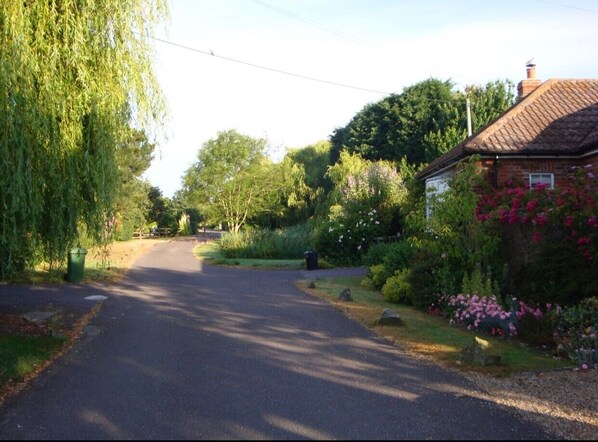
233, 181
452, 243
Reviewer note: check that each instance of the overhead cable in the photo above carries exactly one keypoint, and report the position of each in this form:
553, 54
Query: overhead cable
279, 71
211, 53
316, 24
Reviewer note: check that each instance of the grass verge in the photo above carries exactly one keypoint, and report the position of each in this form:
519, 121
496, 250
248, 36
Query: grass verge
98, 266
210, 252
425, 335
22, 355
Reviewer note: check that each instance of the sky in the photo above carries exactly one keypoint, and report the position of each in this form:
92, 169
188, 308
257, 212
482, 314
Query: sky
292, 71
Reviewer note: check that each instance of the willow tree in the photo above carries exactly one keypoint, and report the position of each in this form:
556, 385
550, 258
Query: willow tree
75, 75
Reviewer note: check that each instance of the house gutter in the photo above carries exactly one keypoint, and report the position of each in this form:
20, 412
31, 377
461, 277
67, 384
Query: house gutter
508, 157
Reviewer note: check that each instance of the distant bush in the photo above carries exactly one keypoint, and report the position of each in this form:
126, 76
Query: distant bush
385, 259
397, 288
288, 243
376, 253
577, 331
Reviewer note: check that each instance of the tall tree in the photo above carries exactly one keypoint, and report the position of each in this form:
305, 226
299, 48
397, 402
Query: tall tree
311, 184
161, 210
74, 76
394, 127
421, 123
133, 157
488, 102
233, 180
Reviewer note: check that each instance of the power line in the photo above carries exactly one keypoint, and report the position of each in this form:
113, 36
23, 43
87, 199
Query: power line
316, 24
266, 68
304, 77
567, 6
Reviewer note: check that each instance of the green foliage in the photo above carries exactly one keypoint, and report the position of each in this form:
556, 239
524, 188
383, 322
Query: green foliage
398, 256
74, 76
161, 211
577, 331
490, 101
343, 240
398, 288
184, 225
394, 127
477, 283
311, 184
536, 331
233, 181
134, 157
550, 237
421, 123
385, 259
453, 243
430, 276
287, 243
376, 253
377, 276
365, 204
22, 355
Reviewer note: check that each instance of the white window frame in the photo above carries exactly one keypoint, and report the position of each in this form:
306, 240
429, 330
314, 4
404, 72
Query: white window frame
436, 185
541, 178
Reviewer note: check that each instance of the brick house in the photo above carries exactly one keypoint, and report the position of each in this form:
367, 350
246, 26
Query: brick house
552, 127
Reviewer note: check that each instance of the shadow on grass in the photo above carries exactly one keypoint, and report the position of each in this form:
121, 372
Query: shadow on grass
427, 335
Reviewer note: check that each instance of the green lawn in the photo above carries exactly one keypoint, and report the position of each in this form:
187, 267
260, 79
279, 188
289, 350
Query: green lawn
425, 334
22, 355
211, 254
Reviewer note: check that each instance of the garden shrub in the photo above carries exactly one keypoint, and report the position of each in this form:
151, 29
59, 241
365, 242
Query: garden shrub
398, 256
365, 204
251, 243
536, 330
378, 274
398, 288
476, 283
428, 277
553, 251
577, 332
385, 259
375, 254
344, 240
484, 313
451, 242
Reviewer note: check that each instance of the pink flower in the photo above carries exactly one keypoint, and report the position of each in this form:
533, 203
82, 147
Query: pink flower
531, 205
569, 221
540, 219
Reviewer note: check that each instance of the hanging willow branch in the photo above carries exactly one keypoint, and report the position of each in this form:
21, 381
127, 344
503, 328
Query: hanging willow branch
74, 76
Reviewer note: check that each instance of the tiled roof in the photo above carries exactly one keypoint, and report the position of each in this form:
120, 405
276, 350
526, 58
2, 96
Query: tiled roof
560, 117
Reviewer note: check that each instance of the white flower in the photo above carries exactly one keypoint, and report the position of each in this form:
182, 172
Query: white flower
377, 222
358, 247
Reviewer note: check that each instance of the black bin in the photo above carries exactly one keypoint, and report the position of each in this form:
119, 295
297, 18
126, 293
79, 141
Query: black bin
311, 260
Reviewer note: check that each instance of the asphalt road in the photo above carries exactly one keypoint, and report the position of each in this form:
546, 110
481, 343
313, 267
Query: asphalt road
182, 350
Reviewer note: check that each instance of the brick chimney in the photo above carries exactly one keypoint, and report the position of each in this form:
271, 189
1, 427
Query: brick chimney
530, 83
